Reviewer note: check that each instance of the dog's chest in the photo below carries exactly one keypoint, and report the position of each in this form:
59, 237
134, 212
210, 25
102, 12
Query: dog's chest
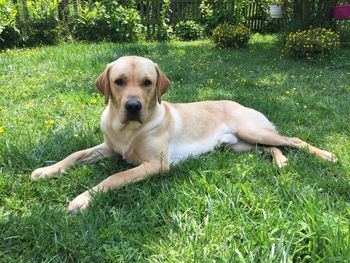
124, 144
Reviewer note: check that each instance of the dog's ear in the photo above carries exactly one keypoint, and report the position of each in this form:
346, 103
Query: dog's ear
163, 84
102, 84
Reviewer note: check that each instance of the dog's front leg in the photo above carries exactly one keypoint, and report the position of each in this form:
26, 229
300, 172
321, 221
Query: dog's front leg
85, 156
117, 180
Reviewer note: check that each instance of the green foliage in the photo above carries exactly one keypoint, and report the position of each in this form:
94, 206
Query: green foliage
7, 13
343, 27
43, 31
312, 42
9, 34
163, 30
227, 36
43, 28
217, 12
125, 24
9, 37
112, 22
105, 20
188, 30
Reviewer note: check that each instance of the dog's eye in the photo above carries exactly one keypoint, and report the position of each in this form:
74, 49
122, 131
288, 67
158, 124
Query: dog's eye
147, 83
119, 82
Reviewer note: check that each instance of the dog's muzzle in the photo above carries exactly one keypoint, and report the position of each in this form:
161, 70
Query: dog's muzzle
133, 109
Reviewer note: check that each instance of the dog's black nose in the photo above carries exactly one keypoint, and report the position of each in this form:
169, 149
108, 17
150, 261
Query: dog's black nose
133, 106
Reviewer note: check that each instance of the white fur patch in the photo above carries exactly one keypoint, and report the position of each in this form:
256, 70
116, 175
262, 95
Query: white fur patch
227, 139
180, 149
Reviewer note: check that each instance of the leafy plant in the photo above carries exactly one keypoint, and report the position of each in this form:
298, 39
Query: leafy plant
9, 34
125, 24
163, 31
188, 30
108, 22
312, 42
343, 27
227, 35
43, 31
216, 12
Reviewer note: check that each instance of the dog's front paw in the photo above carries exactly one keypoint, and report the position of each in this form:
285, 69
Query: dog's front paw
80, 203
43, 172
327, 156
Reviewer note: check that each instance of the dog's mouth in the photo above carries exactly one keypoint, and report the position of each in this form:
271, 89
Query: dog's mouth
133, 117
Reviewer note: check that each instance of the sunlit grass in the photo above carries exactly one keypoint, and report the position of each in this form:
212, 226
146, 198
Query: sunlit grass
222, 206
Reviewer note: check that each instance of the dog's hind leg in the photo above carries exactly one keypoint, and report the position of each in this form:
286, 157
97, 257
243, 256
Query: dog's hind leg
81, 157
272, 138
276, 153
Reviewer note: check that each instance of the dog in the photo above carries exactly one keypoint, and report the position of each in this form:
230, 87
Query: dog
154, 135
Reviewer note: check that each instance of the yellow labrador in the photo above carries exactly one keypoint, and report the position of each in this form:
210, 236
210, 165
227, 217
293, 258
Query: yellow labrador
154, 135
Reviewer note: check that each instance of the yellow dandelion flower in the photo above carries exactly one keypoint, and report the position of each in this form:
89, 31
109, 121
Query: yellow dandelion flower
49, 123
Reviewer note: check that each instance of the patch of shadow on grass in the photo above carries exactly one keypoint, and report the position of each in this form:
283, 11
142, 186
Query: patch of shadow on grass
126, 223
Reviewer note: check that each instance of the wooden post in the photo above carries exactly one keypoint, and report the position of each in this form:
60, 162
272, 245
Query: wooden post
305, 12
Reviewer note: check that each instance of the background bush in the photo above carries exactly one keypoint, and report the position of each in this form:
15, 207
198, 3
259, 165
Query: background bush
344, 30
108, 22
43, 31
312, 42
9, 37
34, 22
188, 30
227, 35
163, 31
95, 21
9, 34
212, 16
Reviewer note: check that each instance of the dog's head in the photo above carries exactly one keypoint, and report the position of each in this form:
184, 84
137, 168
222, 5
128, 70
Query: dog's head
134, 85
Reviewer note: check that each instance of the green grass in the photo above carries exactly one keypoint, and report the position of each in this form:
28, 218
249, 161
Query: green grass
222, 206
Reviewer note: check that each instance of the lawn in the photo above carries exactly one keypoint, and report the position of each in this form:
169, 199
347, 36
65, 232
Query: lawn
221, 206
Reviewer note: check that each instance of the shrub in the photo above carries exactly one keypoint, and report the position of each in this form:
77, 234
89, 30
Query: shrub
160, 32
43, 31
188, 30
163, 31
227, 35
312, 42
9, 34
343, 27
125, 24
9, 37
214, 13
102, 22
